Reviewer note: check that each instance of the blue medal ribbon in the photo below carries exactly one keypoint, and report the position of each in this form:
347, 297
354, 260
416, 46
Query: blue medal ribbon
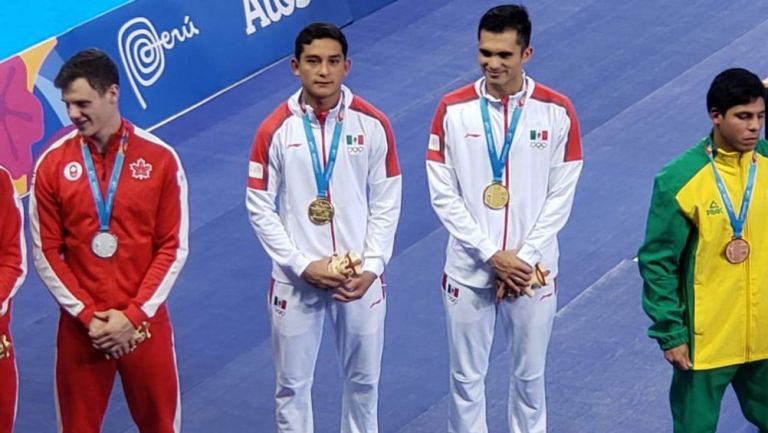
737, 223
323, 176
499, 162
104, 207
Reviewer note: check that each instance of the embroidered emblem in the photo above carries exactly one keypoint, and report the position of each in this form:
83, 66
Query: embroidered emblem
539, 138
434, 142
355, 144
73, 171
279, 305
451, 293
140, 169
714, 209
255, 170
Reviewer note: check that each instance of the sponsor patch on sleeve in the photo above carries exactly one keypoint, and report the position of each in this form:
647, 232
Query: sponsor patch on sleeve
434, 142
256, 170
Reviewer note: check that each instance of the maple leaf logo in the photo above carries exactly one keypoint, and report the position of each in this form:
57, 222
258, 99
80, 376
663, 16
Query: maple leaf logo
141, 169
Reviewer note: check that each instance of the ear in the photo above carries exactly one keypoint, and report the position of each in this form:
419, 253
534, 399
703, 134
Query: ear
526, 54
347, 65
716, 117
113, 92
295, 66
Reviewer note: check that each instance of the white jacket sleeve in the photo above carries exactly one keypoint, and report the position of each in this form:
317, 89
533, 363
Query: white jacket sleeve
384, 200
445, 192
564, 171
264, 179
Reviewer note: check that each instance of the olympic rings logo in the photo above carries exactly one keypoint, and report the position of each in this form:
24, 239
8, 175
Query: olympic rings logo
142, 50
355, 150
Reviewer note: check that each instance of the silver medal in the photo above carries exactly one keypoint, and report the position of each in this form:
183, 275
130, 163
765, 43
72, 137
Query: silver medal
104, 244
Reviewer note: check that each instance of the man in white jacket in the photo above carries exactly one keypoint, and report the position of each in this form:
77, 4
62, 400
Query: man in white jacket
324, 183
503, 160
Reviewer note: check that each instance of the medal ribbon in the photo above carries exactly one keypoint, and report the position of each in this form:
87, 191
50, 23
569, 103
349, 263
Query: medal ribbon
737, 223
323, 177
104, 207
499, 162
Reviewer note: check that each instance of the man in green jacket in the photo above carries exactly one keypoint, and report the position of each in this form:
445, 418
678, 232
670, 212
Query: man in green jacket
705, 257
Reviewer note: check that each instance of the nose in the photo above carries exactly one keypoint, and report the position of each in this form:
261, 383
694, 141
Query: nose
754, 123
493, 62
324, 68
73, 112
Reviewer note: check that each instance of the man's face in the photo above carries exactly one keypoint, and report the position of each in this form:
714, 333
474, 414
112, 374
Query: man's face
740, 126
321, 68
88, 110
501, 58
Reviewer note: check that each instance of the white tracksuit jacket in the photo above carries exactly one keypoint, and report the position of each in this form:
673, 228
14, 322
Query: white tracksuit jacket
365, 187
541, 174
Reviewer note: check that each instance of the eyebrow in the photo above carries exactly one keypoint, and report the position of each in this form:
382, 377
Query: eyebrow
317, 56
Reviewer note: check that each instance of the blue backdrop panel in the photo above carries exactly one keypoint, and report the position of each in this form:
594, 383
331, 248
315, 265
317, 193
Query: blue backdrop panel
172, 54
362, 8
23, 24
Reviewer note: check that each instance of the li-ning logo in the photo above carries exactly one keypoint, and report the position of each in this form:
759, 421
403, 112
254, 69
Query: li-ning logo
714, 209
142, 50
270, 12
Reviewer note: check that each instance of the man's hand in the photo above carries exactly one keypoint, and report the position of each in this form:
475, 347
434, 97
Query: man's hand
355, 288
510, 270
678, 357
96, 325
501, 291
318, 275
115, 336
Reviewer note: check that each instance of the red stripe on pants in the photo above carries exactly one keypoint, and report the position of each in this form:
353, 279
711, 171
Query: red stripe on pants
8, 380
84, 378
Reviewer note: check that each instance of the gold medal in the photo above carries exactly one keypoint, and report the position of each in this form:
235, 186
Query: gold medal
5, 347
737, 250
320, 211
496, 196
348, 264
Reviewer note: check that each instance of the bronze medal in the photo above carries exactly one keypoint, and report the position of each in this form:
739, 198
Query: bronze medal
320, 211
496, 196
737, 250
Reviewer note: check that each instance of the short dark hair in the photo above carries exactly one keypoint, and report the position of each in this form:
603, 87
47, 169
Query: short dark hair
92, 64
319, 31
735, 86
507, 17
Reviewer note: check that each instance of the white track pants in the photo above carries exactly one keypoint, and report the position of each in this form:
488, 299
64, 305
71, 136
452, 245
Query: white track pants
297, 314
471, 316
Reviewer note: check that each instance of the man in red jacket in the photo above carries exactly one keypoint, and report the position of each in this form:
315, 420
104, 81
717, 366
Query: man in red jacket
13, 269
109, 220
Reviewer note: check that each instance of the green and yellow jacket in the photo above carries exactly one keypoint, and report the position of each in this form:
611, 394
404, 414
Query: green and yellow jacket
691, 292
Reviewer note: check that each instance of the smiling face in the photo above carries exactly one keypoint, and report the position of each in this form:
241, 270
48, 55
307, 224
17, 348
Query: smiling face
321, 68
94, 114
501, 58
739, 128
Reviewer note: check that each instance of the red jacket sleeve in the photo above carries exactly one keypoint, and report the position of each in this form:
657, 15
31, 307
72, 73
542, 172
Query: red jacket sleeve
48, 245
13, 254
171, 244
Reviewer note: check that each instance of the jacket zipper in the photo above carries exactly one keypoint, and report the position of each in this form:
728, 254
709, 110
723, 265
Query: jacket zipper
328, 192
505, 103
747, 271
